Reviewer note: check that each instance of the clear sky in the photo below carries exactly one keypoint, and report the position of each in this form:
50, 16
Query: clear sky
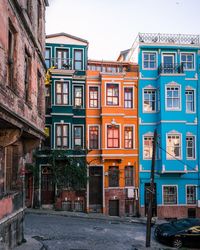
112, 25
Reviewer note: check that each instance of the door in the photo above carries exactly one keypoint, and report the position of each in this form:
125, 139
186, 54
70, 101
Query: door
47, 186
114, 207
96, 188
147, 198
168, 63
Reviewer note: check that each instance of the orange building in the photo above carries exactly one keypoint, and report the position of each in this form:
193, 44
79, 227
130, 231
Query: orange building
112, 137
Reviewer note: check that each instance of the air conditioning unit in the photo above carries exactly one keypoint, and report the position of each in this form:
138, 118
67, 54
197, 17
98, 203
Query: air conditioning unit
130, 193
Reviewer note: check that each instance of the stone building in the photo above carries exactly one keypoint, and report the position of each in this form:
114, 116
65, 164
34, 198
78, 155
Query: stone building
22, 70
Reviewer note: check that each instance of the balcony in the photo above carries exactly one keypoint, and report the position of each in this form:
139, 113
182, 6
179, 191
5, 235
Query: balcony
59, 63
175, 68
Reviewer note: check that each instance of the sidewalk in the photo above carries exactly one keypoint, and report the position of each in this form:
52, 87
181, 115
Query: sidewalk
30, 244
96, 216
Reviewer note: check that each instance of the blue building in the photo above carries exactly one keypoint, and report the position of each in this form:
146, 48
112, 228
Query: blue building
169, 97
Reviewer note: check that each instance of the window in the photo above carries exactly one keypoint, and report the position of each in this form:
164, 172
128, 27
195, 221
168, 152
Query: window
62, 93
173, 146
190, 147
148, 147
11, 53
112, 94
47, 99
27, 72
78, 136
188, 60
93, 97
93, 137
113, 176
78, 59
48, 58
112, 136
170, 195
189, 100
128, 137
128, 97
62, 136
62, 60
191, 194
149, 60
173, 98
78, 96
149, 104
129, 176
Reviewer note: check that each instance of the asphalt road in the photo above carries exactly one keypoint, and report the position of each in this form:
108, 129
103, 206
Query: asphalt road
65, 233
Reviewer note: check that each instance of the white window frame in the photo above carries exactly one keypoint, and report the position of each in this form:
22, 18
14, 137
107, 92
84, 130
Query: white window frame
99, 137
73, 55
133, 126
149, 136
105, 95
156, 61
175, 85
54, 128
128, 87
83, 95
149, 89
88, 97
194, 100
83, 138
186, 200
194, 62
120, 136
169, 157
194, 138
170, 204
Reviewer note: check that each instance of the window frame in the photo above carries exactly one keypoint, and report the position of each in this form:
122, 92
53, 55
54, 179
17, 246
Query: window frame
195, 194
63, 59
108, 126
129, 139
194, 100
131, 101
112, 96
156, 60
90, 99
129, 176
62, 94
169, 157
48, 59
152, 139
81, 60
81, 138
61, 136
163, 195
80, 98
194, 63
150, 100
194, 147
98, 137
115, 181
179, 97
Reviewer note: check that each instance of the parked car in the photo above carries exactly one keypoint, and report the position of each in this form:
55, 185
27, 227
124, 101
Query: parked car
182, 232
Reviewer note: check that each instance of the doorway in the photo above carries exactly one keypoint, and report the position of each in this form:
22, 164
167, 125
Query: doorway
47, 186
114, 207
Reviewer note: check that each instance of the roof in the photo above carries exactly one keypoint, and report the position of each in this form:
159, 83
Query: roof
110, 62
67, 35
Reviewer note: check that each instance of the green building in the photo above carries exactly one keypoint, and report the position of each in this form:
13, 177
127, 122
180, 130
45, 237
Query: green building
66, 60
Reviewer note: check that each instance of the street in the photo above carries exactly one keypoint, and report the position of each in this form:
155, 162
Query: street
66, 233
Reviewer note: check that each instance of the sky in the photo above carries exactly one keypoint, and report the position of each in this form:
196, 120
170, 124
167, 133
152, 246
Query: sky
111, 26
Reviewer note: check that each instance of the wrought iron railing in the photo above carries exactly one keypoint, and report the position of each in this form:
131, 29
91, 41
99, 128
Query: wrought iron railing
169, 38
175, 68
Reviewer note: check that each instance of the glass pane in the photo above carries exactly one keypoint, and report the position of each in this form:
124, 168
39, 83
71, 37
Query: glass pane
78, 55
78, 65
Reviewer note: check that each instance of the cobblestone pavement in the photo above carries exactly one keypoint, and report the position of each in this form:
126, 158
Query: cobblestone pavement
69, 233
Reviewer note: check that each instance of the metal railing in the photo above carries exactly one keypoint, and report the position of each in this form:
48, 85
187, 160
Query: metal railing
175, 68
169, 38
59, 63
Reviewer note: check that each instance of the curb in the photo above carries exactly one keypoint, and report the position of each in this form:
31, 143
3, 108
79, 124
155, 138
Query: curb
87, 216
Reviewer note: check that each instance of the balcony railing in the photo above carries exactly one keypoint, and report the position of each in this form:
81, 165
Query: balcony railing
175, 68
59, 63
169, 38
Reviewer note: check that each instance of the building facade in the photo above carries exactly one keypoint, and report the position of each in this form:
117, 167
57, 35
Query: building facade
169, 102
111, 137
66, 58
22, 70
